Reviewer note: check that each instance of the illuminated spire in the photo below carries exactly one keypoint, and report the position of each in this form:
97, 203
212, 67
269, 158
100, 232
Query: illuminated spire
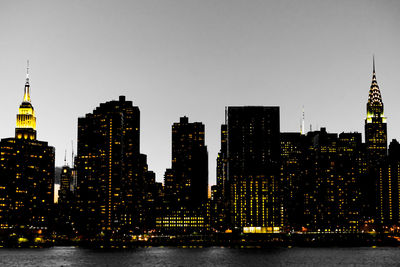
27, 71
27, 96
375, 124
26, 120
375, 103
373, 64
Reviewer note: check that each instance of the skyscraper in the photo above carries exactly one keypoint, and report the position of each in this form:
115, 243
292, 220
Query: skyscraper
376, 148
219, 192
333, 174
186, 183
253, 163
388, 188
26, 174
294, 156
110, 170
375, 124
65, 207
189, 164
26, 120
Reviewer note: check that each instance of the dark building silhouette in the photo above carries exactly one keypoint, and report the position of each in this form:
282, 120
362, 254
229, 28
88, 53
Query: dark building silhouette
66, 204
321, 177
26, 175
294, 176
186, 183
220, 192
389, 188
147, 200
111, 173
67, 180
375, 149
252, 158
334, 201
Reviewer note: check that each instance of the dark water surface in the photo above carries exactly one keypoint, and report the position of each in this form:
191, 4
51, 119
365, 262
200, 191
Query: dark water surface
210, 256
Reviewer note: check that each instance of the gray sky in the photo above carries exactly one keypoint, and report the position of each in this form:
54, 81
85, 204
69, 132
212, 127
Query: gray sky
193, 58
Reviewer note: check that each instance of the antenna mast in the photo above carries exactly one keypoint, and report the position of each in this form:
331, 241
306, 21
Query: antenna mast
72, 162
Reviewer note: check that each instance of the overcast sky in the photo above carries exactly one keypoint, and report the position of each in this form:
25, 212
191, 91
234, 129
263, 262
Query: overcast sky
193, 58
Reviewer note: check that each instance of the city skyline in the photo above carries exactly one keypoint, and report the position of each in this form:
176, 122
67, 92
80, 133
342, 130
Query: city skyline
162, 62
268, 181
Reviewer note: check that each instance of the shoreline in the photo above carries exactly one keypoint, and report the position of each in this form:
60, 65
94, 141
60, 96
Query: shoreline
227, 240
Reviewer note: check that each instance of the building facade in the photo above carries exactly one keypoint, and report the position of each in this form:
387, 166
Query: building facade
186, 182
252, 168
375, 124
26, 175
111, 172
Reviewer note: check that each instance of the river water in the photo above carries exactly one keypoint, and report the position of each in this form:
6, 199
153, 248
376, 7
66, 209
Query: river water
209, 256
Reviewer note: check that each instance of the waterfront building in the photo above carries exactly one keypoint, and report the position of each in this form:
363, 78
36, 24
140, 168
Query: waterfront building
388, 214
26, 175
294, 178
111, 172
184, 221
375, 149
332, 194
186, 182
253, 164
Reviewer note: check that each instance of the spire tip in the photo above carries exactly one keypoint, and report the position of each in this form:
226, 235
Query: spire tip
373, 63
27, 69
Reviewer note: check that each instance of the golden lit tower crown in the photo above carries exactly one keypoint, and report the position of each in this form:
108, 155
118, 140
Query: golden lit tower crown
375, 124
375, 104
26, 120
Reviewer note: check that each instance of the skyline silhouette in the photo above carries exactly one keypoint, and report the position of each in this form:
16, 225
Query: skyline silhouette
269, 181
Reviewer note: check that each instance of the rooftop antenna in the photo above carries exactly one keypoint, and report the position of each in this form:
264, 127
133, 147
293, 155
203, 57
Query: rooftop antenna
303, 130
72, 145
27, 70
65, 158
226, 115
373, 63
27, 97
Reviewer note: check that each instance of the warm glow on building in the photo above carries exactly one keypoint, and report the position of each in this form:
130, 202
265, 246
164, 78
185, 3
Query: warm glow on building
26, 120
260, 230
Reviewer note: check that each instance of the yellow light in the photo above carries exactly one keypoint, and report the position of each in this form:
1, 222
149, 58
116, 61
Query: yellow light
22, 240
26, 118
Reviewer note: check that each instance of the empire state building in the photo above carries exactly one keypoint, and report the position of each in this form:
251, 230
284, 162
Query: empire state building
26, 120
26, 175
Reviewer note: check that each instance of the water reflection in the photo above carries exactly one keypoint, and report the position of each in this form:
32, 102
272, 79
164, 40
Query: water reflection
209, 256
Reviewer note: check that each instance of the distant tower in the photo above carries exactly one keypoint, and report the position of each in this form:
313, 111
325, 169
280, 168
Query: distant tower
26, 120
375, 123
189, 186
186, 182
26, 174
